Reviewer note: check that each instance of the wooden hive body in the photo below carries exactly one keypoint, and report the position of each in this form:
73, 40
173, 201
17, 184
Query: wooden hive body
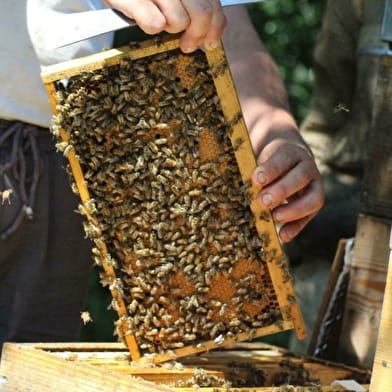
209, 290
104, 367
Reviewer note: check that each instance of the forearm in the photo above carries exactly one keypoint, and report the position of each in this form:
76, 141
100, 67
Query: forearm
258, 83
286, 173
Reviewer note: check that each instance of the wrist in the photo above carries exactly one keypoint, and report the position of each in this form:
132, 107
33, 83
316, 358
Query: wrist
273, 125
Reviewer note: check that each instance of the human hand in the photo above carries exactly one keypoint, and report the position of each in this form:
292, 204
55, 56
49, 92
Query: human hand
291, 184
202, 21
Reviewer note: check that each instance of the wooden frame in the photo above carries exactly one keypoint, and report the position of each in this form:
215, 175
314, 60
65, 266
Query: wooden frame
382, 374
275, 259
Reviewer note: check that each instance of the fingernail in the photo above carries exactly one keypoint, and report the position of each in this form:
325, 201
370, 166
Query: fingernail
267, 199
212, 45
189, 49
278, 217
261, 177
289, 235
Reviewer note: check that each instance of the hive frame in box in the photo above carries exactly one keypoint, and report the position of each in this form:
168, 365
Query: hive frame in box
88, 367
274, 256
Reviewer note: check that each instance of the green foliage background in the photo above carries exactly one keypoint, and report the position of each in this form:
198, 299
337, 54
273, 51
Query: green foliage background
288, 28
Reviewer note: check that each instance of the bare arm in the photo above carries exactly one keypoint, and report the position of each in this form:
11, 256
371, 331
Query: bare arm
286, 168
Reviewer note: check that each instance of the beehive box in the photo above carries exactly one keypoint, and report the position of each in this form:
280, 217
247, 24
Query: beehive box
162, 161
103, 367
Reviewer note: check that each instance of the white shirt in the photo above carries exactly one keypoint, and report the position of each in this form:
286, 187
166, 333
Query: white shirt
23, 53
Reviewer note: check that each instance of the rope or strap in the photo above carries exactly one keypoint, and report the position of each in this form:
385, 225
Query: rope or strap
22, 139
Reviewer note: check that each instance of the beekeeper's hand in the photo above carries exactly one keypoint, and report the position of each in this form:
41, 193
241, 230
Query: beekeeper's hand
202, 21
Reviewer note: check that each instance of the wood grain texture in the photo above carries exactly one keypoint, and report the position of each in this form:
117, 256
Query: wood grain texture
362, 310
28, 369
277, 261
382, 368
85, 197
106, 367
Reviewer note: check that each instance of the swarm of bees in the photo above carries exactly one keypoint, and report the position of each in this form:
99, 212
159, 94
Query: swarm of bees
200, 379
167, 201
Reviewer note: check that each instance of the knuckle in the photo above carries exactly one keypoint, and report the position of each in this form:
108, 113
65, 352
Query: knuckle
303, 177
215, 33
313, 167
180, 24
172, 29
205, 10
184, 23
154, 26
202, 13
308, 172
295, 228
272, 167
280, 192
316, 202
288, 160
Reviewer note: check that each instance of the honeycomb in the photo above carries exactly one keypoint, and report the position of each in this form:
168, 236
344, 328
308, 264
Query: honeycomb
168, 209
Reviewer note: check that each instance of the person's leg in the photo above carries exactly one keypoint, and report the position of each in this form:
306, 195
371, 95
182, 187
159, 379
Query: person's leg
44, 264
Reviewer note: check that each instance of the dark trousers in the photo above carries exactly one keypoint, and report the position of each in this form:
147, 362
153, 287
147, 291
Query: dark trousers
45, 261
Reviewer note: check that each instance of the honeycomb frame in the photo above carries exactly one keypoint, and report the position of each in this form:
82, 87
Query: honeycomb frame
273, 255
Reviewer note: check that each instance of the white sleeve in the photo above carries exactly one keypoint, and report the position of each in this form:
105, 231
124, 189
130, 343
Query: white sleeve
46, 17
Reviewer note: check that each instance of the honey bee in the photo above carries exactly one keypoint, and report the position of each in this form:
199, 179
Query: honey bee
74, 188
143, 124
237, 143
132, 307
5, 196
91, 230
86, 317
97, 260
291, 298
176, 345
215, 302
235, 119
109, 261
117, 286
90, 206
286, 274
220, 69
219, 339
188, 269
216, 328
264, 216
114, 305
189, 337
242, 290
55, 130
341, 107
61, 146
71, 357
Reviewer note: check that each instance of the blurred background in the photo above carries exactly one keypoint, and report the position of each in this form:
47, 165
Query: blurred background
288, 29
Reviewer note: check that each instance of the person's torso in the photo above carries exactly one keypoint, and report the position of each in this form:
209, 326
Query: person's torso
344, 108
23, 52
